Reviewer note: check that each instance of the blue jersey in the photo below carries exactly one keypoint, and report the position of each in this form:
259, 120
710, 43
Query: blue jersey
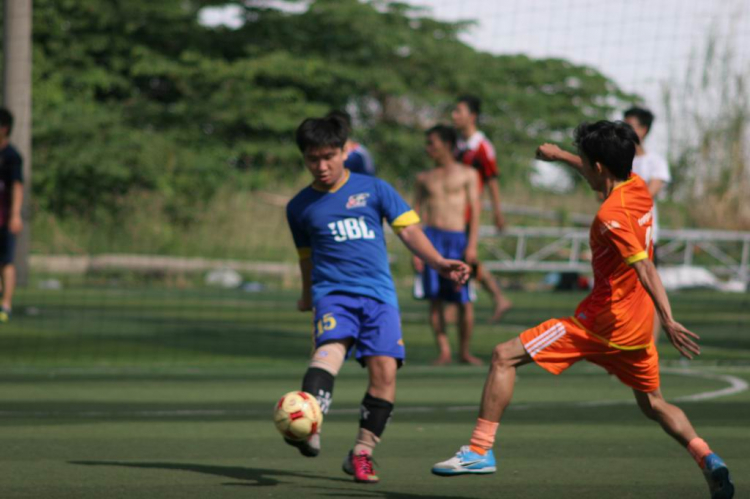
359, 160
342, 231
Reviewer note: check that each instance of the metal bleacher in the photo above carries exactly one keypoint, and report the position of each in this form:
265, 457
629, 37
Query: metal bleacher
565, 249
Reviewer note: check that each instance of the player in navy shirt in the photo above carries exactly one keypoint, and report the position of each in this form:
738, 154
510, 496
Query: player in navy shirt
11, 199
337, 226
358, 157
359, 160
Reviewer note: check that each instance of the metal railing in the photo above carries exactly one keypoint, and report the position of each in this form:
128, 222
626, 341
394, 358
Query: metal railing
516, 249
566, 249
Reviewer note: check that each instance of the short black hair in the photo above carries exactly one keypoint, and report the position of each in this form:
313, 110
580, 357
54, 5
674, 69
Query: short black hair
314, 133
343, 116
446, 133
6, 119
610, 143
473, 102
644, 116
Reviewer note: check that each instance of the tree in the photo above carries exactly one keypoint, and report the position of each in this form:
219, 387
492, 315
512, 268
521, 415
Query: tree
138, 96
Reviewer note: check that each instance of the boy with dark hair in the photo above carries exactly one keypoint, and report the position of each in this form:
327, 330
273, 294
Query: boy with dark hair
359, 159
446, 134
443, 195
472, 102
612, 326
11, 200
473, 149
644, 116
652, 168
337, 226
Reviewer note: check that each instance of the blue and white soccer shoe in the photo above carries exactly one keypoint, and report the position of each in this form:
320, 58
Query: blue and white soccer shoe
717, 475
466, 461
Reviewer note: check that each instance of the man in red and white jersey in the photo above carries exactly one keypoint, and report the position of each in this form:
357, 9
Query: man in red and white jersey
475, 150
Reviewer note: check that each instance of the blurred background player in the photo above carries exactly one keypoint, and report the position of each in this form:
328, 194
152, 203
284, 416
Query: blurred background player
11, 199
442, 197
337, 228
612, 326
651, 167
359, 159
473, 149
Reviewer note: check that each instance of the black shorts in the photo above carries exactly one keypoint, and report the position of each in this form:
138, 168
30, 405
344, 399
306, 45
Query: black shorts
7, 246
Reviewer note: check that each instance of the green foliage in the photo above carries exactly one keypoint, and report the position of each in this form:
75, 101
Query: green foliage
138, 96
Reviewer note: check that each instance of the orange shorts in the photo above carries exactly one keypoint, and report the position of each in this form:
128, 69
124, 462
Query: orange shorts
557, 344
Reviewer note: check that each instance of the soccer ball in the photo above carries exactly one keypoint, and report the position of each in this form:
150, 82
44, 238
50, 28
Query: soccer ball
297, 416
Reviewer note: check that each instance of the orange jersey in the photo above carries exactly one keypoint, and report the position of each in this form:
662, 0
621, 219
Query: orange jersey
619, 311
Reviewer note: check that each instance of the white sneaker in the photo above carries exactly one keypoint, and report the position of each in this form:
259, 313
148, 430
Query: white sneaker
466, 461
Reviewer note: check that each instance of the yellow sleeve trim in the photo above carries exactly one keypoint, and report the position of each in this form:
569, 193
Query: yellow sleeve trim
404, 220
304, 253
607, 342
636, 258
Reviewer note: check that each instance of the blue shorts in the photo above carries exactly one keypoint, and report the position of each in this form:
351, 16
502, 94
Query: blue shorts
375, 326
450, 245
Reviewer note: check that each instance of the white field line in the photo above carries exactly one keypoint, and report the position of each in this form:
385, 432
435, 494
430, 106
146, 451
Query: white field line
736, 385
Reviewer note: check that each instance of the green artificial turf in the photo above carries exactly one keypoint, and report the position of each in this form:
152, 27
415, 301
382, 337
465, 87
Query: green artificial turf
128, 393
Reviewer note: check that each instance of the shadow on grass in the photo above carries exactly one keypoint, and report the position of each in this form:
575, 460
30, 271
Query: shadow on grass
262, 477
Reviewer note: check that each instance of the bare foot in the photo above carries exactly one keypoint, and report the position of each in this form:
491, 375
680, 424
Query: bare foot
501, 306
442, 360
470, 359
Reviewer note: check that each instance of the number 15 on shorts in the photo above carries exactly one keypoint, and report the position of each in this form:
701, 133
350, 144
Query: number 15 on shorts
326, 323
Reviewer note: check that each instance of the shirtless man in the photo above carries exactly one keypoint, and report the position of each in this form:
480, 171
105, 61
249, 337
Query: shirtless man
443, 195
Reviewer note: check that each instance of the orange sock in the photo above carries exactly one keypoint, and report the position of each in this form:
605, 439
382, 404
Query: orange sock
699, 449
483, 437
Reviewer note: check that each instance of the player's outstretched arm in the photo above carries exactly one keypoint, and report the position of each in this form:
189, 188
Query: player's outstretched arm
551, 152
680, 337
414, 239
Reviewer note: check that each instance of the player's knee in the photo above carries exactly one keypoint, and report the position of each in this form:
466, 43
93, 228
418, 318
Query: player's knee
502, 356
382, 372
384, 379
383, 383
329, 357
